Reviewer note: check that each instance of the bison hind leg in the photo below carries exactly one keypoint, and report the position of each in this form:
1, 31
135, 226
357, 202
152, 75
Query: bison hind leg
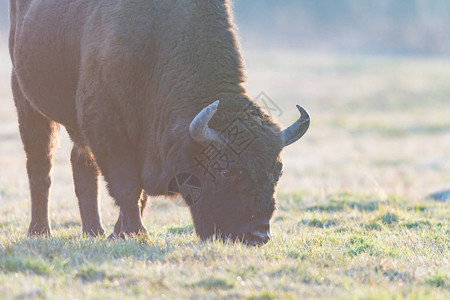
85, 178
38, 134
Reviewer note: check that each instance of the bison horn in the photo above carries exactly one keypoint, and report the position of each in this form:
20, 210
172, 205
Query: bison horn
199, 129
296, 130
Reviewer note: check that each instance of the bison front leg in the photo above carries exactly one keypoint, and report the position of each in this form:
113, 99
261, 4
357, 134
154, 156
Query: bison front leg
116, 160
85, 177
118, 227
38, 135
128, 200
124, 186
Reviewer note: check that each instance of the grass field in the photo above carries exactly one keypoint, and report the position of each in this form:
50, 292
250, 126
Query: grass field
352, 219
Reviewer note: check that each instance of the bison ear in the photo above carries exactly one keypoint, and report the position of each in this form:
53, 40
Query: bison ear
199, 129
294, 132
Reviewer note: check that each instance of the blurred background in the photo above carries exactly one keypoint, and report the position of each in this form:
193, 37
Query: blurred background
361, 26
347, 26
374, 75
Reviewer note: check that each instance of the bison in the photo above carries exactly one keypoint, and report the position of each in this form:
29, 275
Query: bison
135, 84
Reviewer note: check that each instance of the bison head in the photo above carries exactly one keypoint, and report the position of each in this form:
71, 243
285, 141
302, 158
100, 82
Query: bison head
238, 168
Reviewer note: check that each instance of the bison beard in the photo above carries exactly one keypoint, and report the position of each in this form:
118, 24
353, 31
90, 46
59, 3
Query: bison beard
133, 83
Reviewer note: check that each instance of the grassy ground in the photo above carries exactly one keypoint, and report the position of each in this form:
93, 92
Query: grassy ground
352, 221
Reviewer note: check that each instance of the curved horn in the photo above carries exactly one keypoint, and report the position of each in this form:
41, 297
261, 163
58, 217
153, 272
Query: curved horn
199, 129
296, 130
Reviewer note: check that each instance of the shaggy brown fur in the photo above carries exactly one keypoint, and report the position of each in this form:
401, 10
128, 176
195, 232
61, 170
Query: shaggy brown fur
126, 78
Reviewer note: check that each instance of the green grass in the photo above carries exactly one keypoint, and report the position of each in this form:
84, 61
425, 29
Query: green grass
337, 248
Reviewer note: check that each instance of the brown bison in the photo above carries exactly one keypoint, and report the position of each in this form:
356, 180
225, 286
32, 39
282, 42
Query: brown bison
135, 84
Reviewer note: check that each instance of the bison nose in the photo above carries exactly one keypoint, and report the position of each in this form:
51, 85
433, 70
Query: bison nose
263, 228
259, 236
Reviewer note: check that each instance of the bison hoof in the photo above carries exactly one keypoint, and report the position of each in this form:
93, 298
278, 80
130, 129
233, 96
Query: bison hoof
94, 232
116, 236
135, 233
37, 229
124, 235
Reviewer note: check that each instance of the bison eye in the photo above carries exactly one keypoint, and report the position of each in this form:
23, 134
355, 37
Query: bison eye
230, 173
226, 173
